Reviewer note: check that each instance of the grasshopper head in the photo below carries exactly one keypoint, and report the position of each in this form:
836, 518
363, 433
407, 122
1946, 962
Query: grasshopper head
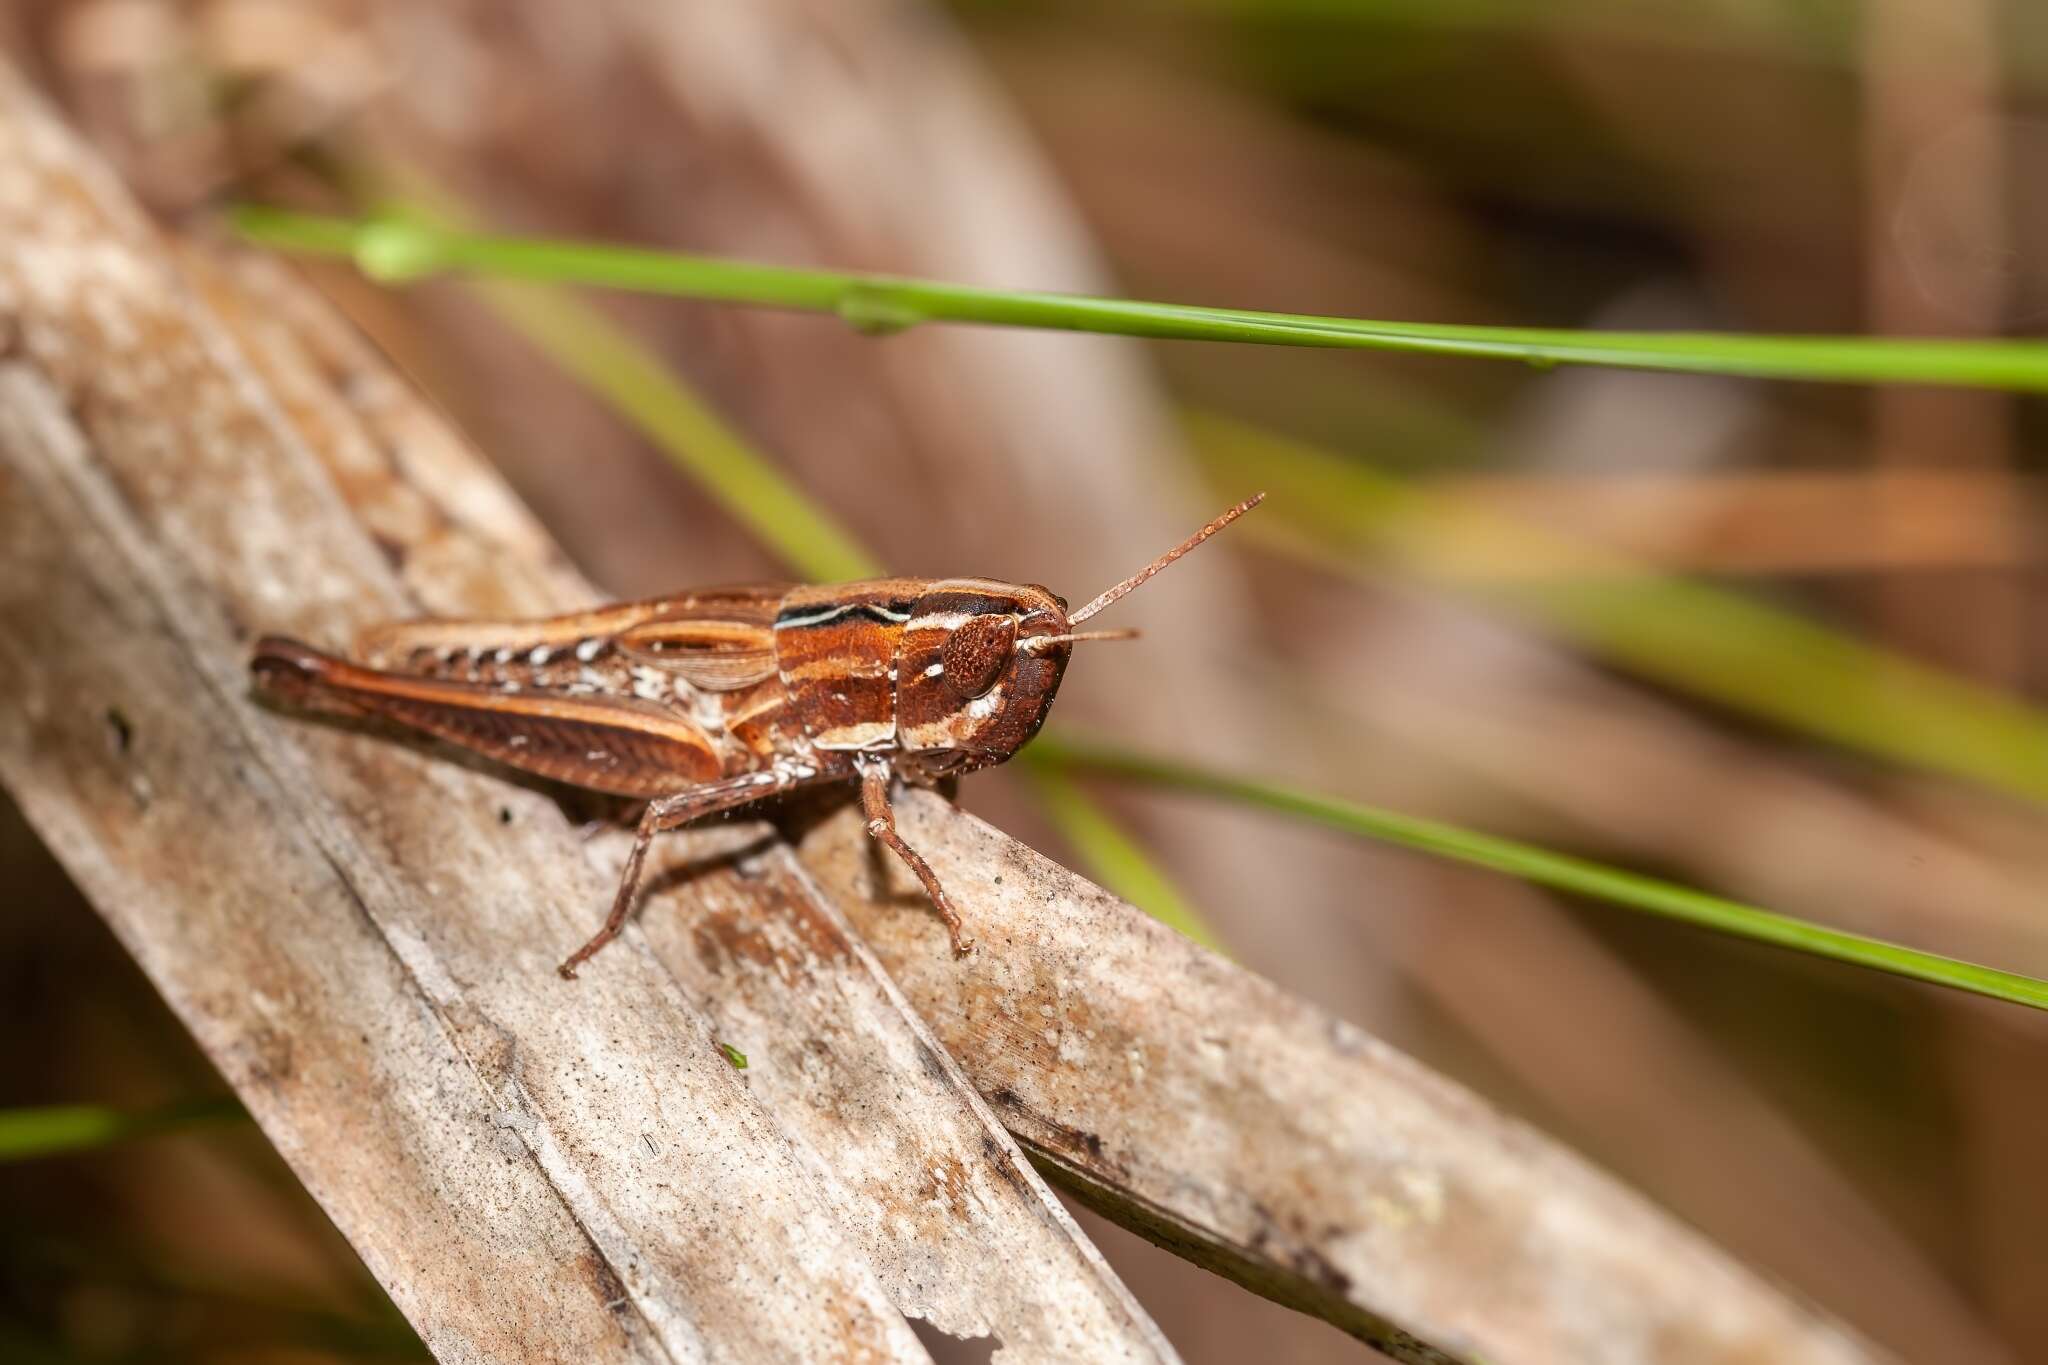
977, 666
978, 662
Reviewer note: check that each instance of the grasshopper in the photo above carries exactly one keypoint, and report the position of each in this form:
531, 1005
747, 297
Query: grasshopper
707, 701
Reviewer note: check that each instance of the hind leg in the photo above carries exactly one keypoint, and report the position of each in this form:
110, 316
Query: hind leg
670, 812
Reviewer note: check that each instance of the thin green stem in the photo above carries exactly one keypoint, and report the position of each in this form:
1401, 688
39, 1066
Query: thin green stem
57, 1129
395, 249
1555, 870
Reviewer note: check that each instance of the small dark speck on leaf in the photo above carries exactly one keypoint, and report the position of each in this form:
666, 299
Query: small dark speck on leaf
119, 730
933, 1067
504, 815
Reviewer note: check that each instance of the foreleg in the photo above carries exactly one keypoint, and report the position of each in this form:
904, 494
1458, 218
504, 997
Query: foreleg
874, 800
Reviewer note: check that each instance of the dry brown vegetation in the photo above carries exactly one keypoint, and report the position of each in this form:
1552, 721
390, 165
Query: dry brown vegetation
357, 934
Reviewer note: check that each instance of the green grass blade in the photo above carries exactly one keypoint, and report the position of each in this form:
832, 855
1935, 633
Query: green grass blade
1557, 871
394, 249
55, 1129
1726, 647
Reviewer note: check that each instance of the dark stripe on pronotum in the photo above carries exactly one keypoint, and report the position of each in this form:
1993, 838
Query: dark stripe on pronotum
964, 602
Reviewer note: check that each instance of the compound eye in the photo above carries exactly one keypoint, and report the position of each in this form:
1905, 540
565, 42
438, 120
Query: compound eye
977, 651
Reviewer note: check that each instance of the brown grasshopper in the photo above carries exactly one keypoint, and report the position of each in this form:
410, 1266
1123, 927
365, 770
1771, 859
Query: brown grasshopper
702, 702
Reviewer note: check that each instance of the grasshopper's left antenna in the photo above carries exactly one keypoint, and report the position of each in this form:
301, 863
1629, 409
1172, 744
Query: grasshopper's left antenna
1131, 584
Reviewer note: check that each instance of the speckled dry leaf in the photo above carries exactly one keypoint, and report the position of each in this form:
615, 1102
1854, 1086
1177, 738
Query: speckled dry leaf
1197, 1103
343, 925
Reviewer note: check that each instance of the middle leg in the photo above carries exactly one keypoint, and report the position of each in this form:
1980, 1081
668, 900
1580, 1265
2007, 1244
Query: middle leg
671, 812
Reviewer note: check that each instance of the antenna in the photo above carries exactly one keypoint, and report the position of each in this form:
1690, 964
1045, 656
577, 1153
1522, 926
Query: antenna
1077, 636
1130, 584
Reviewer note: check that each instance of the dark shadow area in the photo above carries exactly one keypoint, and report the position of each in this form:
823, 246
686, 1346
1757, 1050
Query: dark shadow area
951, 1350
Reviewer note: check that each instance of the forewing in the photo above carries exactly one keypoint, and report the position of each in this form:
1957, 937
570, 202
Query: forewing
620, 745
719, 654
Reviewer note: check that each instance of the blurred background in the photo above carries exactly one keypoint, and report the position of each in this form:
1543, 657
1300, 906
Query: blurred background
1653, 620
